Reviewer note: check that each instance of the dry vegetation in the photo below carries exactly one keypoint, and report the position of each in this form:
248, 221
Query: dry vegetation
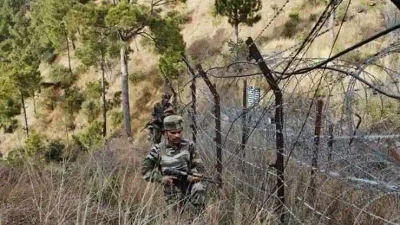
105, 187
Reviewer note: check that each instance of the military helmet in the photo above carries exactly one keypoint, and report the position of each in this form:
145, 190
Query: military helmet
166, 95
173, 122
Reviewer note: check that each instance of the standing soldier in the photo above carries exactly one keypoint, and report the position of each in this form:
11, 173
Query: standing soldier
178, 155
159, 113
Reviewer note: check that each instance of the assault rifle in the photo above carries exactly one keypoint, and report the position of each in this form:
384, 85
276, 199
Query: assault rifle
188, 176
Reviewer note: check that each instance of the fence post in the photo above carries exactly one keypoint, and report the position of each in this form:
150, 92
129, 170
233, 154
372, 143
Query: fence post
194, 110
279, 164
330, 144
317, 134
244, 118
193, 113
217, 115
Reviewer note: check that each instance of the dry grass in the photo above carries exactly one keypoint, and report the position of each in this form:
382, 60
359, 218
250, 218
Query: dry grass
105, 187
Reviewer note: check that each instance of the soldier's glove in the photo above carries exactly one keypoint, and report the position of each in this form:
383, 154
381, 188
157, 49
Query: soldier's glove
194, 179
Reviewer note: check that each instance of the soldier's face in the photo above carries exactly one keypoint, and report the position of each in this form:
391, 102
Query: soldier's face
174, 136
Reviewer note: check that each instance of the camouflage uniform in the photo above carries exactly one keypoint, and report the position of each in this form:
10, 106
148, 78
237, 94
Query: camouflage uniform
158, 116
185, 158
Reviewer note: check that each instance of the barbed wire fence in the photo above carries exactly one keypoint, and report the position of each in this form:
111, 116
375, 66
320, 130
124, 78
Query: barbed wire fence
323, 155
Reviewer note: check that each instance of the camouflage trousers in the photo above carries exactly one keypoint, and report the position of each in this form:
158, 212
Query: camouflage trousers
155, 134
184, 196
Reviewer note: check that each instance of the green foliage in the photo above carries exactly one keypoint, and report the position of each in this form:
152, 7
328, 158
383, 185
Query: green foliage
166, 31
10, 125
116, 117
8, 109
137, 77
72, 100
379, 110
16, 157
93, 90
126, 17
20, 66
115, 101
62, 75
291, 26
171, 65
50, 98
18, 62
50, 21
99, 41
48, 55
91, 138
313, 17
91, 109
35, 145
236, 50
239, 11
169, 43
54, 151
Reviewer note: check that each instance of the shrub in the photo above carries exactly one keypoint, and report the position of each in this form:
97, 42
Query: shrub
62, 75
313, 17
50, 98
9, 125
115, 101
91, 109
91, 138
35, 146
93, 90
290, 27
54, 151
8, 109
137, 77
49, 55
116, 117
15, 157
72, 100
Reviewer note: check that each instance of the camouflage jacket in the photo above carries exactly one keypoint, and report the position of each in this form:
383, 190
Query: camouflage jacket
158, 112
161, 157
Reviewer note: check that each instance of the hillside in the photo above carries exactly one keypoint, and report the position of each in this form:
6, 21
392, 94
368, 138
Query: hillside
206, 37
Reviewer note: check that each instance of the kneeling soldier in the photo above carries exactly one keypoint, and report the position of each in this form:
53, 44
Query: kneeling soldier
168, 161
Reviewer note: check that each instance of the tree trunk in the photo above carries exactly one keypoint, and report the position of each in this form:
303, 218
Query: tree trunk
25, 116
244, 118
34, 103
125, 92
103, 90
244, 110
69, 57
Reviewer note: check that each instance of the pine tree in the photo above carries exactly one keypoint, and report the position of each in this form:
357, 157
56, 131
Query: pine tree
239, 12
98, 43
131, 20
51, 23
19, 64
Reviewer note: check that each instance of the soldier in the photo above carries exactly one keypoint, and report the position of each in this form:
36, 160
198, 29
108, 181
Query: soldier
158, 115
175, 153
